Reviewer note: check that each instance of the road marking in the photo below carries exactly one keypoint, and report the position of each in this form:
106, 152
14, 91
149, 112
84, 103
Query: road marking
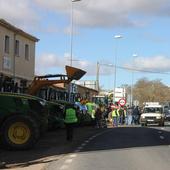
162, 128
67, 161
87, 141
162, 137
83, 144
80, 147
159, 132
64, 167
91, 138
73, 155
77, 150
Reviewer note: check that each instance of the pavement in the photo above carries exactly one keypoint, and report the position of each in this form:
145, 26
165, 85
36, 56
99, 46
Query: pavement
51, 147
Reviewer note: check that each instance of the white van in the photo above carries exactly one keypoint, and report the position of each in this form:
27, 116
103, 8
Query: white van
152, 114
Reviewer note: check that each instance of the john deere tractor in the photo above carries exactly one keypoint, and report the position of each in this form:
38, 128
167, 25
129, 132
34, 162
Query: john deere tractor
23, 118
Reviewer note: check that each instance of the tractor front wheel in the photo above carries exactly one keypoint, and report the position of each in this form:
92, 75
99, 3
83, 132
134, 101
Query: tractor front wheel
20, 132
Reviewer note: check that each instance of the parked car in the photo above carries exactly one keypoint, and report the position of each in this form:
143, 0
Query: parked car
152, 114
167, 116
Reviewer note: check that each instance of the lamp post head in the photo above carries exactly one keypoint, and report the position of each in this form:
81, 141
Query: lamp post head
118, 36
75, 0
134, 55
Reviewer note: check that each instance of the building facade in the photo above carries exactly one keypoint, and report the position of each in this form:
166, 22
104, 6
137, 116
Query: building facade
17, 56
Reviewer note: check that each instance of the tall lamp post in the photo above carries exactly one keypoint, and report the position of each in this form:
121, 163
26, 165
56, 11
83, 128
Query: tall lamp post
97, 76
71, 42
133, 57
71, 32
98, 73
116, 37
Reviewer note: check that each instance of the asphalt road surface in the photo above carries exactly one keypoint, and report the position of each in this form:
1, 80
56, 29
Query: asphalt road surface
123, 148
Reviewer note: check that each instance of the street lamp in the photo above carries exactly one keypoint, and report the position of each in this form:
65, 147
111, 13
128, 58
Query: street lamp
115, 63
97, 76
98, 72
71, 32
133, 57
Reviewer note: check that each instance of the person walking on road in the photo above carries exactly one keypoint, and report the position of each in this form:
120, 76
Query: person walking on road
121, 116
129, 115
70, 120
136, 115
98, 116
114, 117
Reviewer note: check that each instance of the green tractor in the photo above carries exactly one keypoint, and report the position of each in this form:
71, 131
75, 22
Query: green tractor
23, 118
56, 112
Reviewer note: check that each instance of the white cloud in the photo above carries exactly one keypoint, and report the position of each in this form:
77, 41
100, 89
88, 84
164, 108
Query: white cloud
158, 63
47, 62
88, 13
92, 13
20, 13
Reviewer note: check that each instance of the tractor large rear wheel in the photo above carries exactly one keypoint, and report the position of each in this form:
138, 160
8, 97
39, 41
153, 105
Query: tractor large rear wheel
20, 132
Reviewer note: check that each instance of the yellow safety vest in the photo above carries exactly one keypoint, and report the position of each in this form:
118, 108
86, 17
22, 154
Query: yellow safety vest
70, 116
118, 112
114, 113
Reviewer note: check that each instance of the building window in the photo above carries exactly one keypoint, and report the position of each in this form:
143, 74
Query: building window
6, 44
16, 48
26, 51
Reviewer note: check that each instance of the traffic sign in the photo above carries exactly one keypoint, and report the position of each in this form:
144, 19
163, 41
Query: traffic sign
122, 102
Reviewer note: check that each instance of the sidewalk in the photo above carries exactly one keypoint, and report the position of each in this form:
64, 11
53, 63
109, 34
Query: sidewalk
50, 148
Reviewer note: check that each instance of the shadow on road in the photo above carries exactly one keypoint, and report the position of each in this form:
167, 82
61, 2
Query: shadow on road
131, 137
53, 145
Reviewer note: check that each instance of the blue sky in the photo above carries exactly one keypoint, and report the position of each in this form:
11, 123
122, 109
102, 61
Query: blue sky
144, 25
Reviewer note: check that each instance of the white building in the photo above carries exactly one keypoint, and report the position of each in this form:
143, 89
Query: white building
17, 54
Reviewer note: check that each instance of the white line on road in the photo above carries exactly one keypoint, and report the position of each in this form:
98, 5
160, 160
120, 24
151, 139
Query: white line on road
73, 155
83, 144
91, 138
80, 147
67, 161
64, 167
87, 141
77, 150
162, 137
159, 132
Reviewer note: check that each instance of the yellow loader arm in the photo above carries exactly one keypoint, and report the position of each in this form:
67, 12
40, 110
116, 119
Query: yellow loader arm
48, 80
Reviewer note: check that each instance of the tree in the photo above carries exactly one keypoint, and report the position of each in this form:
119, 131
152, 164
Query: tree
151, 91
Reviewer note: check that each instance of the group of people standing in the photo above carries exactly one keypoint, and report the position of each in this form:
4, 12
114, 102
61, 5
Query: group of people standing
117, 115
124, 115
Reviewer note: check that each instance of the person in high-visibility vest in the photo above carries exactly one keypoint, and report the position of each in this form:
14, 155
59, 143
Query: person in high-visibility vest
114, 116
70, 119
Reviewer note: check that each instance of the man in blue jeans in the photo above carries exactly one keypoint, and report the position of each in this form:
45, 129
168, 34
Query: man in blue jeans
114, 117
129, 115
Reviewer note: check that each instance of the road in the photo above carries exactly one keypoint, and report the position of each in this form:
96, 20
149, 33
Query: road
123, 148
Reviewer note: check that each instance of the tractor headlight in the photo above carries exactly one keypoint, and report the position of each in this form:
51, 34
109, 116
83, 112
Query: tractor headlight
43, 102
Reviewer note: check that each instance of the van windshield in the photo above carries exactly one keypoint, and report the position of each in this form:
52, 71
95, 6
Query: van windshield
153, 110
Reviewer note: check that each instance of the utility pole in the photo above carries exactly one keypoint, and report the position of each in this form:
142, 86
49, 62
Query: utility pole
97, 75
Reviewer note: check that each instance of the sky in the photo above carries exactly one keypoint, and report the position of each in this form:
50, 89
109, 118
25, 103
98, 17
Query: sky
142, 51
